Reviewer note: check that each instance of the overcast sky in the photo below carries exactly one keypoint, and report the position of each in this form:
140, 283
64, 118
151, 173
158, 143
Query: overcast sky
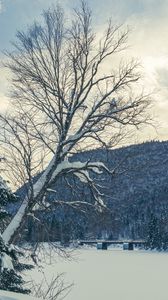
148, 39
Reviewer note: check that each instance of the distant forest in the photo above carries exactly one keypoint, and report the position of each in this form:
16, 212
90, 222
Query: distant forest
136, 196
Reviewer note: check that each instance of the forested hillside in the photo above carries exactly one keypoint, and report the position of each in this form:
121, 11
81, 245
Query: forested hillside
138, 190
136, 194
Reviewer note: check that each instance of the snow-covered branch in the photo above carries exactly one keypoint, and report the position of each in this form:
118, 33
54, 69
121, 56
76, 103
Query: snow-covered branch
62, 102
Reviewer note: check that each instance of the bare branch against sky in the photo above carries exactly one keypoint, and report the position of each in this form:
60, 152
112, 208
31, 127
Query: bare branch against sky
148, 40
62, 101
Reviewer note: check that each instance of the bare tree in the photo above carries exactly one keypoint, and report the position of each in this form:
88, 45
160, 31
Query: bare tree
62, 102
55, 289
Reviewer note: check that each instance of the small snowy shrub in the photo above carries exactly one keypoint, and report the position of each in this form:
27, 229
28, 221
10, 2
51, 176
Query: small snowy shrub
10, 266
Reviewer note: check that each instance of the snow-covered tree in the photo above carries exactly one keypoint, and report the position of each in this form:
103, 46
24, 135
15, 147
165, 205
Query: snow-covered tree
157, 234
64, 101
6, 197
10, 267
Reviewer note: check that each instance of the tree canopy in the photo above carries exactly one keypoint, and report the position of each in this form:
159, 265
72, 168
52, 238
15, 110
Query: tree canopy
64, 101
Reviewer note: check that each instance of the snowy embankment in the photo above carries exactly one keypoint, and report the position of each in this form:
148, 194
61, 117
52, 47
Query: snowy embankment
14, 296
113, 274
105, 275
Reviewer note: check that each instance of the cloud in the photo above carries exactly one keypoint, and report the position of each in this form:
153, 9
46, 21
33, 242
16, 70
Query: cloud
148, 40
4, 102
149, 43
0, 6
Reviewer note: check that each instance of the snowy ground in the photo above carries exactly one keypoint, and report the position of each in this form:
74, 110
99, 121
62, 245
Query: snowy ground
113, 274
14, 296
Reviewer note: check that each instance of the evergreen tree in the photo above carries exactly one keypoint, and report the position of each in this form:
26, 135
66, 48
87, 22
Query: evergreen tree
6, 198
10, 266
157, 235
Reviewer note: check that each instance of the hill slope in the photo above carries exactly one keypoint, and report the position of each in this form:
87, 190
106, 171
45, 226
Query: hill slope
135, 193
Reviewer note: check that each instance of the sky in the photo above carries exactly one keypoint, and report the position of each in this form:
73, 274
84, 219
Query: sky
148, 20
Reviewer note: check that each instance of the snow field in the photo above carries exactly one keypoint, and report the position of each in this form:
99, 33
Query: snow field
113, 274
14, 296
